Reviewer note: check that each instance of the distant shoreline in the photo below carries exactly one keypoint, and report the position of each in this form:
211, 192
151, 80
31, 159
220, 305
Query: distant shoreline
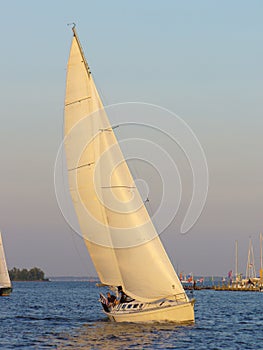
45, 280
62, 279
73, 279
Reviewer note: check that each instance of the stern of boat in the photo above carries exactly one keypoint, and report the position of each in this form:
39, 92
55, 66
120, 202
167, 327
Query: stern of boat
4, 292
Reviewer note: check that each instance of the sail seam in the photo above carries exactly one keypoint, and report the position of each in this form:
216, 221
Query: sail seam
77, 101
81, 166
110, 128
119, 186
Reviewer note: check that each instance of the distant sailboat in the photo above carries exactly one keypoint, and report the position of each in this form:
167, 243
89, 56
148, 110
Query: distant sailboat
5, 283
251, 276
123, 244
250, 270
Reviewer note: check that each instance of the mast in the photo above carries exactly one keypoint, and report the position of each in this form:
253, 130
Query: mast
250, 272
237, 277
80, 49
261, 267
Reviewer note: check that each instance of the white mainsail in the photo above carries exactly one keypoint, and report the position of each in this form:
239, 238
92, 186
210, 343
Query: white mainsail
4, 276
121, 239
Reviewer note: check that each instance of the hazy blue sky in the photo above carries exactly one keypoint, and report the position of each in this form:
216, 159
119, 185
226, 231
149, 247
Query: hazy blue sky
200, 59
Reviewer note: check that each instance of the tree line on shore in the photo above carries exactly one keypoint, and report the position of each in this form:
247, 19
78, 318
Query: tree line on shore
34, 274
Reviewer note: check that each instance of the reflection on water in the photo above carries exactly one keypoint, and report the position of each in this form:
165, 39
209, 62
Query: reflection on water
109, 335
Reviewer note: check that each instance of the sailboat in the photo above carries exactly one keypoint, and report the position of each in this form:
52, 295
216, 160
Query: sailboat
251, 279
5, 283
250, 270
122, 241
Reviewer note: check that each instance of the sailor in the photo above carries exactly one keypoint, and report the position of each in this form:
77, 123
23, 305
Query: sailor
112, 300
122, 295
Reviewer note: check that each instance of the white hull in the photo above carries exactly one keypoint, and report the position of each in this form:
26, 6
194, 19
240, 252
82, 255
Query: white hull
178, 313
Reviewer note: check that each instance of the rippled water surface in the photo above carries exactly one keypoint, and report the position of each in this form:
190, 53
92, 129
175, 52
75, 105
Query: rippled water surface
62, 315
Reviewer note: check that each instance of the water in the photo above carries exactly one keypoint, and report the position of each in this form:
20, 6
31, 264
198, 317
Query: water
66, 315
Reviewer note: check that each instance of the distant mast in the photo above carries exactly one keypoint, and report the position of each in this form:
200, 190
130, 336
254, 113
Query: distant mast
237, 276
251, 271
261, 267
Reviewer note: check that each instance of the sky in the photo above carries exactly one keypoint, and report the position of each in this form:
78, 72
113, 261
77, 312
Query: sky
199, 59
